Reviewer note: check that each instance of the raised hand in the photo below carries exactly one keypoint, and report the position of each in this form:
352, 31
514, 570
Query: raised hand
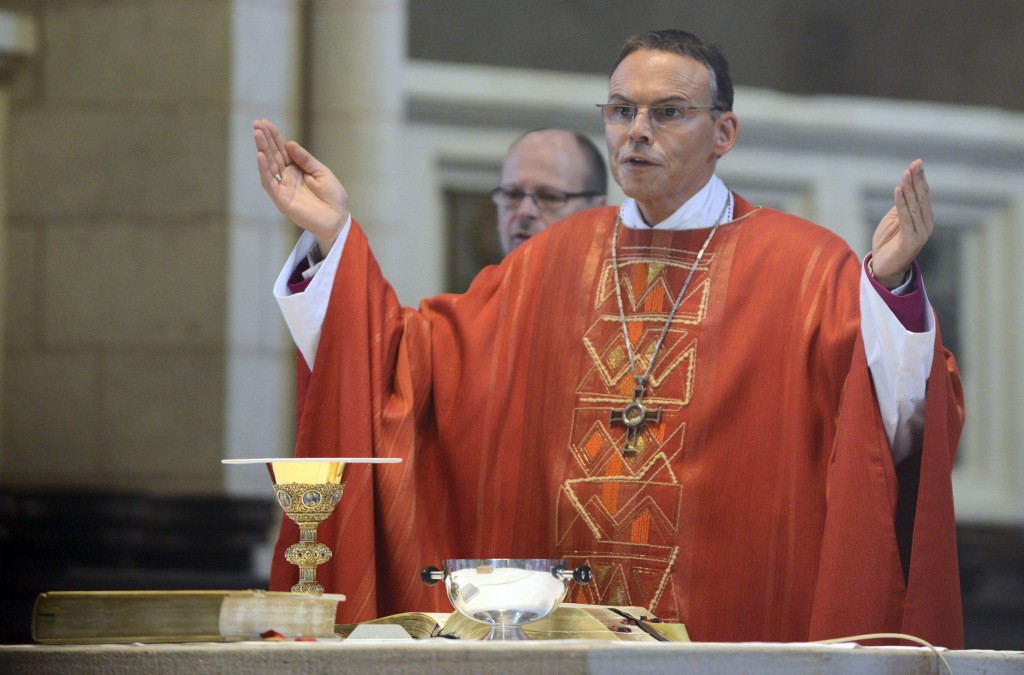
903, 231
302, 188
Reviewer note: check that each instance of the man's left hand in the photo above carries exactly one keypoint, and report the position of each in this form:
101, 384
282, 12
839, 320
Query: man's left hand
903, 231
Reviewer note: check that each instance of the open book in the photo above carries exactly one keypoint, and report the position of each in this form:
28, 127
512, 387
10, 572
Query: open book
569, 621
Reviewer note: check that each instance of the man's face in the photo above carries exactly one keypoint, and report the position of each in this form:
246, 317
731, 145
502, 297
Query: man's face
547, 161
663, 166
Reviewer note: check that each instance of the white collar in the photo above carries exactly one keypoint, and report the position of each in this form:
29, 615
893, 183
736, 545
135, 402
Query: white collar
699, 211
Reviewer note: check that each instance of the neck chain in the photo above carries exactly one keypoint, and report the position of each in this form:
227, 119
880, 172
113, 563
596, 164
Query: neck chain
636, 414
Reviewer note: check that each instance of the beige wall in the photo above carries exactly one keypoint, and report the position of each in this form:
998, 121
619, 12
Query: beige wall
141, 341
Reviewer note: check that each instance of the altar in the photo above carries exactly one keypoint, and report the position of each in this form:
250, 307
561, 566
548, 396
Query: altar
453, 656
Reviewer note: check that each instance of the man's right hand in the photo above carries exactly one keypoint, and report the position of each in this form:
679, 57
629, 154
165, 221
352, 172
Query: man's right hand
308, 193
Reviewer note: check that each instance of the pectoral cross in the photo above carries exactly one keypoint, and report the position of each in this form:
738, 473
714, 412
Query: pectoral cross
635, 415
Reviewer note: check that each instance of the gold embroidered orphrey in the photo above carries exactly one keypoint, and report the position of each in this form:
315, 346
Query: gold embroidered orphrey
635, 414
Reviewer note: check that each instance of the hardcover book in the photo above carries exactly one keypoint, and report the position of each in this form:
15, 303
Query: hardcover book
94, 617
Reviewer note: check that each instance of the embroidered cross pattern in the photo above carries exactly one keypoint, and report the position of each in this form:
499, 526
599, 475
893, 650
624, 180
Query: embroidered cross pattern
636, 414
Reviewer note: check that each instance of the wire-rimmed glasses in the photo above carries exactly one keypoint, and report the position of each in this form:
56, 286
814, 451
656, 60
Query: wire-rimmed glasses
547, 200
659, 115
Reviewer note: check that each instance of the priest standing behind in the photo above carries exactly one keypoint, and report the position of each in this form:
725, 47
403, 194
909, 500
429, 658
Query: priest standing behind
547, 175
716, 405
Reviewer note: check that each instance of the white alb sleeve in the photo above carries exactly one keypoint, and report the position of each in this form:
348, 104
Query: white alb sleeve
900, 361
304, 312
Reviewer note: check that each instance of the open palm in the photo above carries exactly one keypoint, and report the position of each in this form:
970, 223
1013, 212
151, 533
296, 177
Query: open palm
904, 230
301, 187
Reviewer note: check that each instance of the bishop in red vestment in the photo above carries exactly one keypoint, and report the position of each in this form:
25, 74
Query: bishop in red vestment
758, 501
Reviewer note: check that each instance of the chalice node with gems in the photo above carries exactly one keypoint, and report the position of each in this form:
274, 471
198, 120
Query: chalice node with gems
308, 489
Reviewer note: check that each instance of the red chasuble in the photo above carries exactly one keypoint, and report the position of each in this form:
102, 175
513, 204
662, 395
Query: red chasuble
763, 506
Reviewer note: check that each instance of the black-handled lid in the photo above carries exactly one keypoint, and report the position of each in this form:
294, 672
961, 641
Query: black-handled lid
431, 575
582, 574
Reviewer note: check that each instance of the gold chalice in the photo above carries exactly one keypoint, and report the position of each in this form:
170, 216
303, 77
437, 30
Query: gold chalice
308, 489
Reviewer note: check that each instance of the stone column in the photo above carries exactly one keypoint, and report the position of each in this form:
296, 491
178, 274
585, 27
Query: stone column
355, 107
17, 44
266, 75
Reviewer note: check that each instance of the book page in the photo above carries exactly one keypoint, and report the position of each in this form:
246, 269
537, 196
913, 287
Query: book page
568, 622
417, 624
672, 632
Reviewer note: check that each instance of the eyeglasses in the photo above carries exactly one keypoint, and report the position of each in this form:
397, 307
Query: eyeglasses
660, 115
548, 200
